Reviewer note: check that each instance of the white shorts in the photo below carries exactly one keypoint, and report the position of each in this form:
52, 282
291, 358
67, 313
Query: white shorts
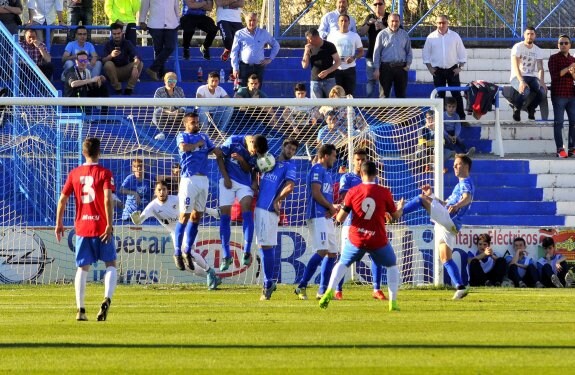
439, 215
228, 196
266, 227
322, 234
193, 193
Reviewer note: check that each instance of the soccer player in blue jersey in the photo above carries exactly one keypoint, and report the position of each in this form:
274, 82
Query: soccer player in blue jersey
236, 163
448, 216
319, 213
370, 204
346, 182
275, 186
194, 148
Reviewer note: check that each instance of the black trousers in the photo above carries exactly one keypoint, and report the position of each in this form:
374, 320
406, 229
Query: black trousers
478, 278
530, 278
189, 24
446, 77
346, 79
247, 70
393, 75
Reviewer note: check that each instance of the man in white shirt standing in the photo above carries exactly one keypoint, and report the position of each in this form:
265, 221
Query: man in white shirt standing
350, 49
329, 22
527, 74
163, 22
444, 55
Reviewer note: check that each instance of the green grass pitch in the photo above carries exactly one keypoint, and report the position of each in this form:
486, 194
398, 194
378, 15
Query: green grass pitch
172, 329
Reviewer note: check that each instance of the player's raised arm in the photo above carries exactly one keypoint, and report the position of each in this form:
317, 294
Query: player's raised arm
59, 230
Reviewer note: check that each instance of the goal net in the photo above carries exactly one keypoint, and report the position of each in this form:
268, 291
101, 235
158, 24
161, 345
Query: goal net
41, 144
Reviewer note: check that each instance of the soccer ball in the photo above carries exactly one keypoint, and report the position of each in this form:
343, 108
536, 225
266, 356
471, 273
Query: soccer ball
266, 162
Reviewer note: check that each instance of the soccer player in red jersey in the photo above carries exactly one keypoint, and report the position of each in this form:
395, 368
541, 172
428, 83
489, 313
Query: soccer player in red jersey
368, 203
92, 186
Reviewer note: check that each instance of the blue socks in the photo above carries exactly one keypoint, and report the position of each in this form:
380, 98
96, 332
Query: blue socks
191, 234
326, 268
310, 269
225, 234
412, 205
248, 226
179, 235
268, 261
453, 272
376, 272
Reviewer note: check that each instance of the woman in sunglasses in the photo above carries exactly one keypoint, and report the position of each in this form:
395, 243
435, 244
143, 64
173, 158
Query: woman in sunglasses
168, 119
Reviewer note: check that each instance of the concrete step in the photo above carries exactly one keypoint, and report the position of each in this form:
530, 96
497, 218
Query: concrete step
559, 195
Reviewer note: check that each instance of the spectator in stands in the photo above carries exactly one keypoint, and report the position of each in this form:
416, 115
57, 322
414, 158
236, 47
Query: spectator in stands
562, 71
373, 24
522, 269
172, 180
485, 267
452, 129
121, 61
330, 21
123, 13
444, 55
38, 52
80, 44
139, 189
168, 119
248, 50
426, 143
79, 81
10, 11
350, 49
392, 58
324, 60
555, 272
229, 20
252, 90
194, 17
300, 120
332, 133
79, 11
163, 22
43, 12
217, 116
527, 74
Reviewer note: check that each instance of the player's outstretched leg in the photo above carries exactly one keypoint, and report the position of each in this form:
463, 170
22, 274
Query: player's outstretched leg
336, 275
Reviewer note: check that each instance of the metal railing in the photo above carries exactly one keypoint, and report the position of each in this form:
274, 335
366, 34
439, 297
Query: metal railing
498, 145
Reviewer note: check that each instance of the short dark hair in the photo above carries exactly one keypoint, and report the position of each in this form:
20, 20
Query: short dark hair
214, 74
431, 113
311, 33
299, 87
332, 113
450, 100
326, 149
253, 76
531, 28
520, 239
261, 144
290, 141
369, 168
79, 27
483, 237
547, 242
176, 165
91, 147
360, 151
82, 52
191, 114
163, 183
137, 161
116, 26
465, 159
344, 16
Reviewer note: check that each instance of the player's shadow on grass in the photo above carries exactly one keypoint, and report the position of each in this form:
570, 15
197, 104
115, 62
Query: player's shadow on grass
268, 346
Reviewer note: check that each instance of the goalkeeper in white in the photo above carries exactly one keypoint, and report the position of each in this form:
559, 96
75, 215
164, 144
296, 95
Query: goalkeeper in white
165, 209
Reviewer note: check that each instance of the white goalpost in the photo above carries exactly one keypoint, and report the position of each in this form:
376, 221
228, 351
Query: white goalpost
41, 142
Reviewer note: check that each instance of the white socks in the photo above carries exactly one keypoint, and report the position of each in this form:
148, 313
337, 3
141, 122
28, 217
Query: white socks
80, 286
392, 282
110, 280
200, 261
337, 274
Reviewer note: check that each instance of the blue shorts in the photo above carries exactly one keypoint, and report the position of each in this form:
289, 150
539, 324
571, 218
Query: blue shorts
91, 249
384, 256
